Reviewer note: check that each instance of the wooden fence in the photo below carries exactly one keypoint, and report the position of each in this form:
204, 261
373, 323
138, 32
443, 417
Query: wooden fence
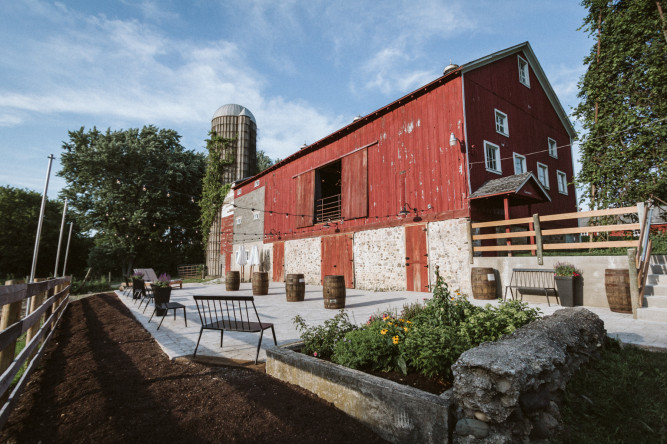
189, 271
534, 236
45, 303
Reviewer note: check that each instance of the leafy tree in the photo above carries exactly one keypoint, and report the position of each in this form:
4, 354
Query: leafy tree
623, 104
137, 191
18, 226
263, 161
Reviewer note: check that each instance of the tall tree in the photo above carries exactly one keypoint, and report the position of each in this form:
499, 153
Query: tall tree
623, 104
137, 191
18, 226
263, 161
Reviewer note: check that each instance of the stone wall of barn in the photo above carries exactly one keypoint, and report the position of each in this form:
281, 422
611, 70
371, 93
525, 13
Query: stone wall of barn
379, 259
304, 256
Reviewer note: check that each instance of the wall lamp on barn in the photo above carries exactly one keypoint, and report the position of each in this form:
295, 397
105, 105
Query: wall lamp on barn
406, 210
453, 141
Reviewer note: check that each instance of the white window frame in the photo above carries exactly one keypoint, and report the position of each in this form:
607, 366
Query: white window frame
238, 220
524, 72
505, 124
516, 156
540, 166
560, 174
552, 143
496, 156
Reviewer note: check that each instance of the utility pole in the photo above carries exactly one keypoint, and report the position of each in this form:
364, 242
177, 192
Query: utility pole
41, 219
60, 239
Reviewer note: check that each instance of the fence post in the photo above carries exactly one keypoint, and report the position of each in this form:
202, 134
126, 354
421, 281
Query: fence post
35, 302
634, 281
11, 313
538, 238
471, 255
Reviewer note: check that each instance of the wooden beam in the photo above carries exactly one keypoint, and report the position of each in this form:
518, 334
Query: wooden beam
592, 229
580, 245
506, 207
507, 248
503, 235
471, 251
538, 238
594, 213
634, 282
500, 223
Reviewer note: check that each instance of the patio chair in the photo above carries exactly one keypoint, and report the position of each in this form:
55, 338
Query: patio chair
146, 295
166, 306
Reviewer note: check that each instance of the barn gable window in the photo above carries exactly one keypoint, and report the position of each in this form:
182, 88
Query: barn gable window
492, 157
553, 147
524, 76
543, 174
562, 182
501, 123
519, 163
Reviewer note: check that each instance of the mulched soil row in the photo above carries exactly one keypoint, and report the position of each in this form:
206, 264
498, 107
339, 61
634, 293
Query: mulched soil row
104, 379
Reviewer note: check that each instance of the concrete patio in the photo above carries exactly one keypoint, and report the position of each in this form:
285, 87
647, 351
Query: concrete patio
179, 341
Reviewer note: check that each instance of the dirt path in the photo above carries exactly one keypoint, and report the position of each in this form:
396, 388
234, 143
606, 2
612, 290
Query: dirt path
104, 379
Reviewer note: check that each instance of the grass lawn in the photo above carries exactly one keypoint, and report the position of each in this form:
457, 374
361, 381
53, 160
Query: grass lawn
620, 398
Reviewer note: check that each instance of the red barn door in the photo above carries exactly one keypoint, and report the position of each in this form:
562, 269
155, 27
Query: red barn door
279, 262
416, 258
338, 258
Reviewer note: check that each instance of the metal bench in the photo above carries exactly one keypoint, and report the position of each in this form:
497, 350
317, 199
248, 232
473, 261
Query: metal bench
230, 313
536, 281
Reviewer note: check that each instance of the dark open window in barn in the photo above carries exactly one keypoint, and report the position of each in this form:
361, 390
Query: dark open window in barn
328, 182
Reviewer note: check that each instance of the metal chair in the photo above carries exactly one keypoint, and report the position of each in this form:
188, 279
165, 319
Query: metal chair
166, 306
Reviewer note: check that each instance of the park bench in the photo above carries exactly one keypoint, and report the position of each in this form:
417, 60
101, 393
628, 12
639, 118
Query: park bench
534, 281
231, 313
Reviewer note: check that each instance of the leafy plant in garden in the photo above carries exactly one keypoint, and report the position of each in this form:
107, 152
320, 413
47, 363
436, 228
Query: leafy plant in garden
375, 346
432, 348
490, 323
320, 340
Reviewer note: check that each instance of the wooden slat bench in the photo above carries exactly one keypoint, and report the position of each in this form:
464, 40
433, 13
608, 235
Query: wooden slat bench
230, 313
536, 281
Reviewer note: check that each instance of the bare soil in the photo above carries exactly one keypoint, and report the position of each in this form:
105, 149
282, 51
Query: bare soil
104, 379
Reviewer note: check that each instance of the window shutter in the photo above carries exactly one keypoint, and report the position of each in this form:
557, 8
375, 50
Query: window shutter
354, 185
305, 199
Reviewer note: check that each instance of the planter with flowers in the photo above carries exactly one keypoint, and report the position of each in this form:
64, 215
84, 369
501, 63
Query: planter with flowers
161, 293
137, 285
567, 278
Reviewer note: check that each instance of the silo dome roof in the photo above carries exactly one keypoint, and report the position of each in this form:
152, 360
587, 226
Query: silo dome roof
232, 109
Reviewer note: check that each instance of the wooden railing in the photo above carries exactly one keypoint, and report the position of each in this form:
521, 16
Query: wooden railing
535, 236
328, 209
189, 271
45, 303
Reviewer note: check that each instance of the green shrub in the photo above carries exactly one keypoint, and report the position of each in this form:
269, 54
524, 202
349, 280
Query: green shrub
490, 323
320, 340
375, 346
410, 311
432, 348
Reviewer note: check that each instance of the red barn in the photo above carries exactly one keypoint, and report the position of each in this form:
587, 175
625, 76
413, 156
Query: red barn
386, 198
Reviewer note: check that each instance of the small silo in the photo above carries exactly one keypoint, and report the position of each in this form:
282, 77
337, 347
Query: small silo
233, 120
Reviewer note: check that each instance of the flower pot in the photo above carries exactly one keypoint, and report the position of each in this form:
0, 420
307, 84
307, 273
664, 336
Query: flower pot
161, 296
137, 288
565, 287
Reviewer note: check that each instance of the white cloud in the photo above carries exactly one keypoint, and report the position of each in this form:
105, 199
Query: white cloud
7, 119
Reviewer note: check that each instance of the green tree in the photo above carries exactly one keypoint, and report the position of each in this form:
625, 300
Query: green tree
623, 104
263, 161
18, 226
136, 190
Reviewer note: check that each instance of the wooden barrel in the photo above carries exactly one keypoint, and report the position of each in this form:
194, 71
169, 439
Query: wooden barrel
260, 283
617, 286
232, 280
334, 292
295, 287
483, 283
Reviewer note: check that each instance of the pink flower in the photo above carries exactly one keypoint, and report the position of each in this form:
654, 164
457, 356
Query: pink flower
315, 354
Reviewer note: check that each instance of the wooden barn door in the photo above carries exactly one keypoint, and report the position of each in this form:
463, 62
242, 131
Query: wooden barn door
279, 262
416, 258
338, 258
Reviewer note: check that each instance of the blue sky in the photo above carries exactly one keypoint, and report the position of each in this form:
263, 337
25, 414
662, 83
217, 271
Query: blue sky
303, 67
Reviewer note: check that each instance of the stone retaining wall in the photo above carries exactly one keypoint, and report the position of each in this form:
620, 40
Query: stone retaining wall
509, 390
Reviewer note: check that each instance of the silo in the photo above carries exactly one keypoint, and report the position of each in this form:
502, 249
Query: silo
231, 121
237, 121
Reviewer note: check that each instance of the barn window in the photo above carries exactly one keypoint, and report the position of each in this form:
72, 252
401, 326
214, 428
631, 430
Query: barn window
501, 123
492, 157
524, 77
543, 174
519, 163
553, 147
328, 187
562, 182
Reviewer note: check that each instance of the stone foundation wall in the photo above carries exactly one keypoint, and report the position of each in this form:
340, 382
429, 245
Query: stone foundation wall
448, 248
379, 259
304, 256
509, 390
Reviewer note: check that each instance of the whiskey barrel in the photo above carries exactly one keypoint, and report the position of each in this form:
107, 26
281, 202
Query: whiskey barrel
333, 292
617, 286
295, 287
483, 283
232, 280
260, 283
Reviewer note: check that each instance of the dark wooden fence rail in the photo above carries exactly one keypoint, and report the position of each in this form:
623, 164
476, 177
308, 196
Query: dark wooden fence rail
49, 299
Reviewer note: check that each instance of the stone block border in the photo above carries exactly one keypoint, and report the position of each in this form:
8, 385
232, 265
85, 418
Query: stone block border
396, 412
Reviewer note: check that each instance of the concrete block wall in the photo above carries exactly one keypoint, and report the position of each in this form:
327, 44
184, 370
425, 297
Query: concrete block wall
448, 248
304, 256
379, 259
